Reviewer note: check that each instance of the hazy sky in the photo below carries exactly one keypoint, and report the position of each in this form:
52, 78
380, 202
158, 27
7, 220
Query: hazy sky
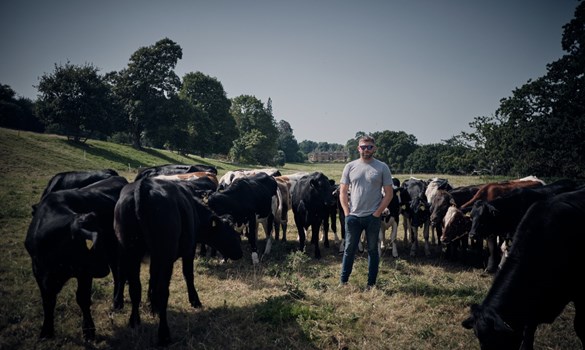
331, 68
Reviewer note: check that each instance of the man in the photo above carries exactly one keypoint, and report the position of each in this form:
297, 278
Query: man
370, 183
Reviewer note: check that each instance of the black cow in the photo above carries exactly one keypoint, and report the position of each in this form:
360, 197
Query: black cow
71, 236
331, 221
246, 200
499, 217
311, 199
164, 220
539, 278
170, 169
74, 179
415, 210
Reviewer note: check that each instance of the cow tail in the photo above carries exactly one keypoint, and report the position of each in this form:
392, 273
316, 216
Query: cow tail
140, 199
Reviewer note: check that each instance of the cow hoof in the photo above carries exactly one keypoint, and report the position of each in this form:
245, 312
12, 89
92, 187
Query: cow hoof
46, 334
89, 334
255, 259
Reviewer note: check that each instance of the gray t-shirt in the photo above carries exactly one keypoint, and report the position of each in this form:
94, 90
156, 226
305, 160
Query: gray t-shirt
365, 182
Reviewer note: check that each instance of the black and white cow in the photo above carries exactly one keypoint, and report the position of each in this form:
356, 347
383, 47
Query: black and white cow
232, 175
170, 169
311, 199
415, 211
433, 186
390, 219
539, 278
164, 220
71, 236
247, 200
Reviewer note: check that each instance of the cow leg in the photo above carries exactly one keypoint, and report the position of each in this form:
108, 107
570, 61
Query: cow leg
413, 240
433, 235
334, 226
315, 238
406, 226
49, 286
161, 271
252, 237
528, 337
268, 229
578, 322
284, 225
426, 237
188, 274
493, 258
120, 282
135, 290
83, 298
393, 237
381, 238
325, 233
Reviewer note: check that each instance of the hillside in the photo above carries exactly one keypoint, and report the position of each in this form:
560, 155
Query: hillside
289, 301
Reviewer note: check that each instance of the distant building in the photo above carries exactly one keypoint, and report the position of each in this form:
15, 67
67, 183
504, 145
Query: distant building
327, 157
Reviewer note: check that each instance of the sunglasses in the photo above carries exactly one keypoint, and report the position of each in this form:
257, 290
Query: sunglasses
367, 147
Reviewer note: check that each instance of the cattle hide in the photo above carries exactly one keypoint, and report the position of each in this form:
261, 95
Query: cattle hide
539, 278
71, 236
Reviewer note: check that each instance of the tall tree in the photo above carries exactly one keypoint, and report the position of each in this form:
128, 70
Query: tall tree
394, 147
146, 85
540, 128
257, 131
17, 113
76, 100
287, 142
214, 128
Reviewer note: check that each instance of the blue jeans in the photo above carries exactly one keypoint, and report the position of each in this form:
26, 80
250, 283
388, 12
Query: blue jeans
353, 229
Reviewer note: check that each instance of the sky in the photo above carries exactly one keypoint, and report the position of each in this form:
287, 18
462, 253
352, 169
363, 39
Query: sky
331, 68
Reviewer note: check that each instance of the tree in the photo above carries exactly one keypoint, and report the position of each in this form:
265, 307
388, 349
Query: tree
76, 100
214, 129
257, 131
144, 87
17, 113
540, 128
394, 147
287, 142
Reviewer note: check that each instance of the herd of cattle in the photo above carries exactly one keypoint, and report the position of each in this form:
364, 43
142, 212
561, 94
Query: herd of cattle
88, 224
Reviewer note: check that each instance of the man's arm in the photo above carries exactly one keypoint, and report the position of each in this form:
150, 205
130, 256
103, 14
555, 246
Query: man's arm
388, 194
343, 198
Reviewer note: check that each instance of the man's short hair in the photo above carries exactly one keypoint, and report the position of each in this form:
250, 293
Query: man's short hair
367, 138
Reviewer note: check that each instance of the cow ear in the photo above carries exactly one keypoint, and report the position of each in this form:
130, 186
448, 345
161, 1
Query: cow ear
492, 209
78, 229
468, 322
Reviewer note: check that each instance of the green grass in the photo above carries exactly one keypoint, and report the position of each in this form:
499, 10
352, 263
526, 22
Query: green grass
289, 301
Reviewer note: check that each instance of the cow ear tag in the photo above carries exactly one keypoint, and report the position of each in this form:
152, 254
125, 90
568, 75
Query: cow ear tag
89, 244
213, 223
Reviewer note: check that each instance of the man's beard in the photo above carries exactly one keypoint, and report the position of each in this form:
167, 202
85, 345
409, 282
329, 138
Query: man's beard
367, 156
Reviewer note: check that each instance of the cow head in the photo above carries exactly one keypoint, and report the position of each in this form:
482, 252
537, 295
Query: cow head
455, 225
491, 330
321, 185
222, 236
482, 213
87, 236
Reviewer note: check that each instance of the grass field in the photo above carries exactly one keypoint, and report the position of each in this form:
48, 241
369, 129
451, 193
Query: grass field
289, 301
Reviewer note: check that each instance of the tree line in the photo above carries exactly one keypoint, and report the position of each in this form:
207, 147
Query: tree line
540, 129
